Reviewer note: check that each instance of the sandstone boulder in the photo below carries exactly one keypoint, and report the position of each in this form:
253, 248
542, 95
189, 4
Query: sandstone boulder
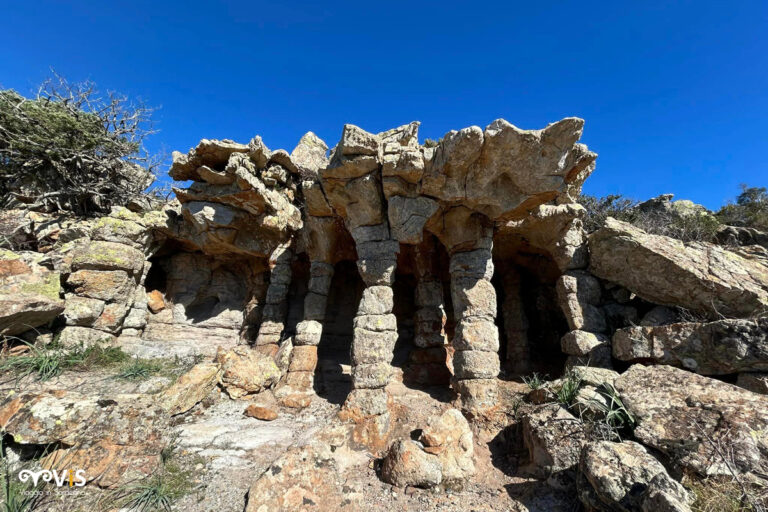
701, 277
246, 371
554, 439
190, 388
407, 464
450, 438
623, 476
115, 439
690, 418
29, 293
713, 348
503, 169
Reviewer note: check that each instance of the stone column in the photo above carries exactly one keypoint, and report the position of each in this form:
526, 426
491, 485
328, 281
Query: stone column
301, 370
476, 341
375, 327
428, 360
515, 322
275, 304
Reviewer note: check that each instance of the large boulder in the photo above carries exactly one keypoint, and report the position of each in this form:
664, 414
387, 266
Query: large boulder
696, 421
701, 277
713, 348
116, 438
503, 171
624, 477
29, 293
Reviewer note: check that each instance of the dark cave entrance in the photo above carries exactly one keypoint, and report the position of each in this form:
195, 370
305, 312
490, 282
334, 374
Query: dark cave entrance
332, 377
529, 317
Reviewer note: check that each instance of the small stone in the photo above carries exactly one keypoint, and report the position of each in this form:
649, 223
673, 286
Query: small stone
260, 413
155, 301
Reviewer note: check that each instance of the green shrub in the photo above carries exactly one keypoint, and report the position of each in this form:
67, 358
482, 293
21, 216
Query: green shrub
615, 415
50, 361
600, 208
67, 148
750, 209
139, 369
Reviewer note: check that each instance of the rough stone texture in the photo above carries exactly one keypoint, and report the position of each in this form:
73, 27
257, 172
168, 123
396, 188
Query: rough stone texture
498, 170
623, 476
273, 315
110, 286
107, 256
579, 295
583, 343
82, 310
476, 338
450, 438
685, 415
29, 293
115, 439
701, 277
556, 228
553, 438
73, 336
407, 464
190, 388
713, 348
246, 371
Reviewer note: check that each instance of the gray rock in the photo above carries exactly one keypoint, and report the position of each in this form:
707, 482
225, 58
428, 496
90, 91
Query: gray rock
682, 414
407, 464
554, 439
582, 343
623, 476
713, 348
701, 277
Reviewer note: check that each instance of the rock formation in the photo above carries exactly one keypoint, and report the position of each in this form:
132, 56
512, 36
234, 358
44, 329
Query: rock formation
382, 264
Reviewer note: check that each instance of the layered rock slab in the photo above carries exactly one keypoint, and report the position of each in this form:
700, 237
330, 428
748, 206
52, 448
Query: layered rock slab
701, 277
689, 418
712, 348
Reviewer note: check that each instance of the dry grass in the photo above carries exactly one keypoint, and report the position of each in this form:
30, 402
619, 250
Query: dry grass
721, 494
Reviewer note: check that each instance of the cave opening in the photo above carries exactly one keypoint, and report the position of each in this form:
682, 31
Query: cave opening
529, 317
332, 377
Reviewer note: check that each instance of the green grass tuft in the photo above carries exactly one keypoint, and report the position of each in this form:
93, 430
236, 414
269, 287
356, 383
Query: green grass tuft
139, 369
569, 388
534, 381
50, 361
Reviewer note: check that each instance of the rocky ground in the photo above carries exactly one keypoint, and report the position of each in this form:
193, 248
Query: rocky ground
220, 453
529, 454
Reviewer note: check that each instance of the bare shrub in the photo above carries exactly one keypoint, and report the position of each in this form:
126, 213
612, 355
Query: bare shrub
70, 149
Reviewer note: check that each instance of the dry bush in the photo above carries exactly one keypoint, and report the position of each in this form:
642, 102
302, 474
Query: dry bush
70, 149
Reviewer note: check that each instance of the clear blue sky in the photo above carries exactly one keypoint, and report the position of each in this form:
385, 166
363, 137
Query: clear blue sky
675, 94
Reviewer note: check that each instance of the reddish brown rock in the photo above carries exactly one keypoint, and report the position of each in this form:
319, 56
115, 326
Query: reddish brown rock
155, 301
260, 413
